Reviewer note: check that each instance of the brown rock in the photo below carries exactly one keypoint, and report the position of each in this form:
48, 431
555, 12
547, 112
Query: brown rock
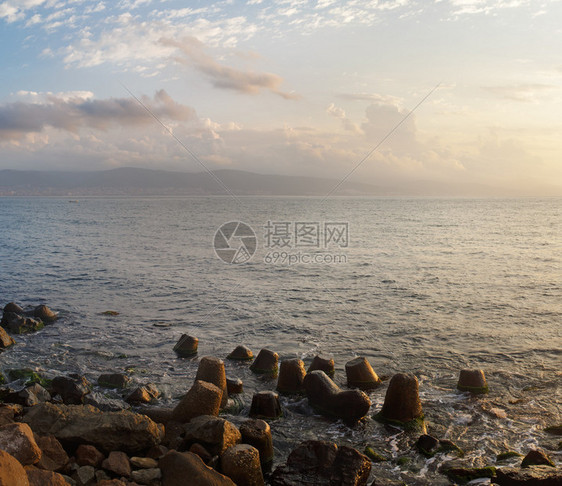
203, 453
202, 399
13, 307
257, 433
530, 476
6, 415
211, 370
82, 424
177, 466
88, 455
291, 376
72, 389
241, 463
17, 439
402, 400
143, 394
265, 404
360, 374
473, 381
186, 346
146, 476
326, 365
537, 457
113, 380
157, 452
44, 313
241, 353
12, 472
111, 482
143, 462
39, 477
5, 340
214, 433
85, 475
118, 463
266, 363
53, 456
234, 386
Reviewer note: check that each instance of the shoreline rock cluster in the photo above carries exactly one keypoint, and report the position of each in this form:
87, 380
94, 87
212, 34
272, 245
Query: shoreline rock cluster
61, 432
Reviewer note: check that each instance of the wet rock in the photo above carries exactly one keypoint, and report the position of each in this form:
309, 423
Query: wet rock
72, 389
17, 440
241, 463
109, 431
257, 433
143, 394
53, 456
5, 340
531, 476
507, 455
118, 463
211, 370
12, 472
214, 433
374, 455
186, 346
360, 374
202, 399
291, 376
320, 463
88, 455
241, 353
554, 429
105, 404
17, 324
26, 375
265, 404
177, 466
146, 476
39, 477
29, 396
427, 445
43, 313
402, 404
326, 365
143, 462
266, 363
113, 380
459, 473
473, 381
14, 308
537, 457
326, 397
234, 386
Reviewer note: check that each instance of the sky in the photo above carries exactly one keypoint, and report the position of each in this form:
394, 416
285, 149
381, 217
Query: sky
382, 91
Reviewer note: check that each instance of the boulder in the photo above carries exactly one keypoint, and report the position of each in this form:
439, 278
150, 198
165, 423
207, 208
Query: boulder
12, 472
202, 399
117, 463
326, 397
291, 376
402, 405
143, 462
320, 463
105, 404
186, 346
531, 476
113, 380
473, 381
177, 466
13, 307
266, 363
146, 476
39, 477
88, 455
211, 370
257, 433
5, 340
360, 374
537, 457
53, 456
17, 324
29, 396
265, 404
82, 424
203, 453
43, 313
326, 365
241, 353
17, 440
234, 386
241, 463
214, 433
72, 389
143, 394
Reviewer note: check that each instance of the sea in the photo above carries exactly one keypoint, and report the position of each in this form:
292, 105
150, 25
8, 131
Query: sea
429, 286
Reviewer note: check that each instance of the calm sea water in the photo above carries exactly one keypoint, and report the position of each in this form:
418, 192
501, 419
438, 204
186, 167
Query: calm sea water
429, 286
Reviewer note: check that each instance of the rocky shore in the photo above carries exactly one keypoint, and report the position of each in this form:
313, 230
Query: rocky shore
61, 431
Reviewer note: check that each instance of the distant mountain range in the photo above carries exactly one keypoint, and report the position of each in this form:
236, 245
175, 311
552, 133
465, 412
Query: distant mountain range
147, 182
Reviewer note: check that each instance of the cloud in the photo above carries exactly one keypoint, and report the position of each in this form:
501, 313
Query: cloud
70, 112
339, 113
528, 92
248, 82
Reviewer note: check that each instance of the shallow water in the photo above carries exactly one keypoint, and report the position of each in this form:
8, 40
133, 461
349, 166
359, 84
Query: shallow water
430, 286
